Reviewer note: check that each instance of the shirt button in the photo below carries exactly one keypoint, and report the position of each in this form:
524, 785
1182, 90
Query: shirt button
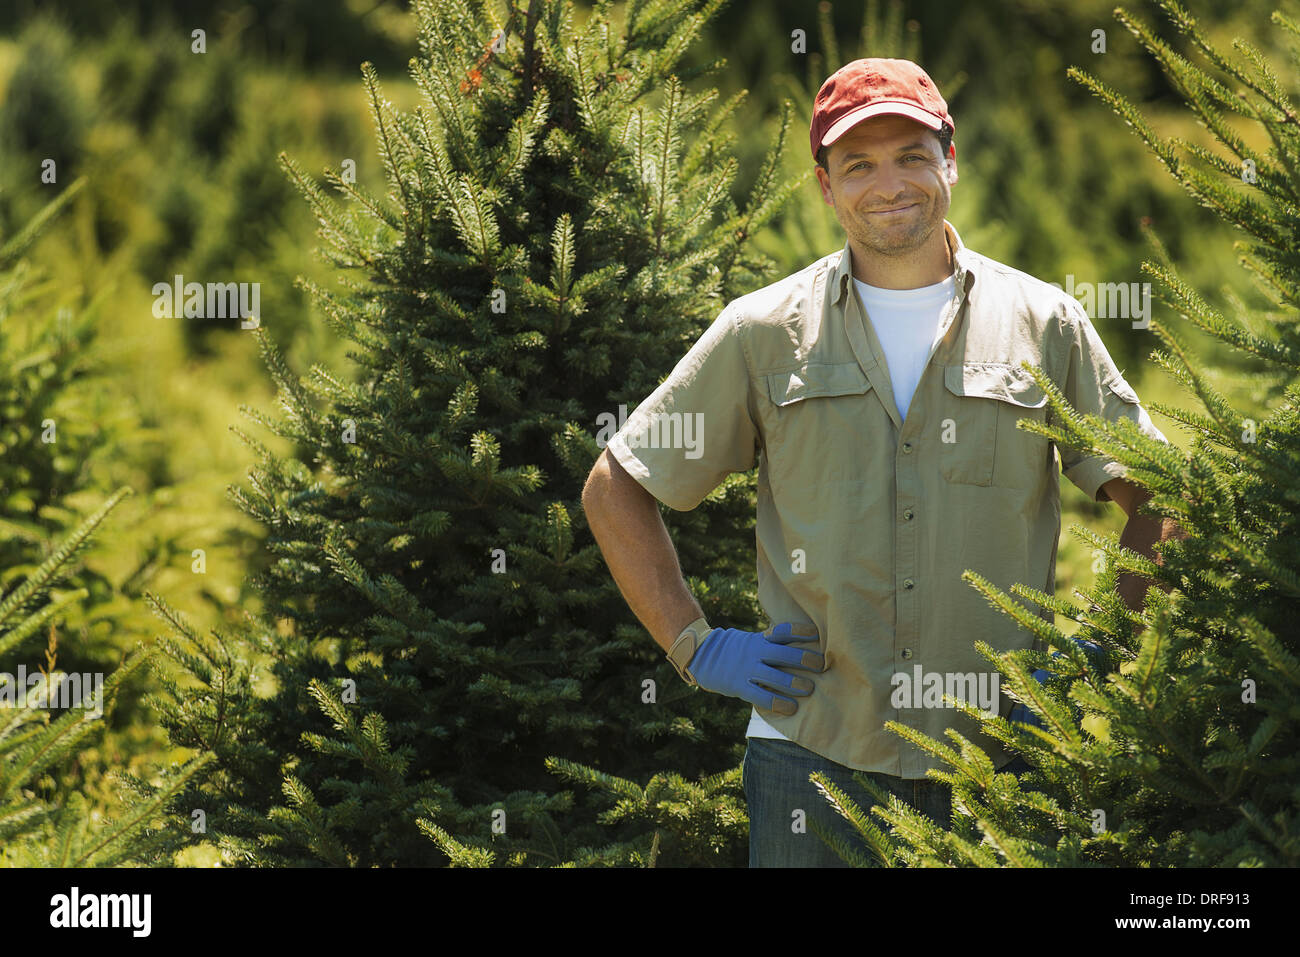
907, 514
907, 448
908, 583
907, 652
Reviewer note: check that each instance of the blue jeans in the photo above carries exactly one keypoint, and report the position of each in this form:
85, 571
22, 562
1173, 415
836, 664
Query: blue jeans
774, 775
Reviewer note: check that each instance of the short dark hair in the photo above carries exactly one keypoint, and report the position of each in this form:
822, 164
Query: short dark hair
944, 133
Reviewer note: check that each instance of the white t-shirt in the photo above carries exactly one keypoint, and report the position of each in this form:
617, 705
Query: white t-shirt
906, 322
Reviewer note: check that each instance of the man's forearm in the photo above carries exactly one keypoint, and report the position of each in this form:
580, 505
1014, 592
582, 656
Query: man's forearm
635, 544
1139, 534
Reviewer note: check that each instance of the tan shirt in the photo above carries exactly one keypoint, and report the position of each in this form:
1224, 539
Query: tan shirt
865, 522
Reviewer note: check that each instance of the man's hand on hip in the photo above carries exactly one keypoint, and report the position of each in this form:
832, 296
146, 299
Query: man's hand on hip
739, 663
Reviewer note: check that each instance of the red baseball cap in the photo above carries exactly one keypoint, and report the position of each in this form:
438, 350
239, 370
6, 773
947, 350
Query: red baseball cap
871, 87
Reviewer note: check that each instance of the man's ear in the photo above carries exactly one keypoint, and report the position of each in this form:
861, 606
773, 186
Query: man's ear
824, 180
951, 163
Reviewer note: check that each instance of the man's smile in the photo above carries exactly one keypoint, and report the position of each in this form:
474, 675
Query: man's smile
886, 212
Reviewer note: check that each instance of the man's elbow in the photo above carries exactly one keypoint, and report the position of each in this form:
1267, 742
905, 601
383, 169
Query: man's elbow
599, 482
609, 484
1126, 495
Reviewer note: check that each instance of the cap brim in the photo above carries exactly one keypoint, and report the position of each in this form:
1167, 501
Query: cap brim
881, 108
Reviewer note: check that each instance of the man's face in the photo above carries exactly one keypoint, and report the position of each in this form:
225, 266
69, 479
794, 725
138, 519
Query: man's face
889, 184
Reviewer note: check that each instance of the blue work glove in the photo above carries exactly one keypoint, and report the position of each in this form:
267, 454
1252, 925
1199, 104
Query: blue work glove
1022, 714
733, 662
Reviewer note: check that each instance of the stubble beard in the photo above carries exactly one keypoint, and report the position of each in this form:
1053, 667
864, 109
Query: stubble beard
896, 241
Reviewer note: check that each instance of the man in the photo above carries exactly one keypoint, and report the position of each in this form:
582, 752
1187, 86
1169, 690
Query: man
879, 390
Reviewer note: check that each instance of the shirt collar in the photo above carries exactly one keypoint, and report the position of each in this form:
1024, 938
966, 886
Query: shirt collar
962, 258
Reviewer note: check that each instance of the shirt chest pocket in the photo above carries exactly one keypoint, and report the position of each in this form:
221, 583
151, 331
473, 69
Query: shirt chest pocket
818, 424
979, 443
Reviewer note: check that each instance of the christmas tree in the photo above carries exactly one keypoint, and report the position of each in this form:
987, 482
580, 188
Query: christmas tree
1176, 743
46, 819
559, 229
53, 711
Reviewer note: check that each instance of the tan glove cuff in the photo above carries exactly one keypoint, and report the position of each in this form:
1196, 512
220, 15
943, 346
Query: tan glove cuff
683, 649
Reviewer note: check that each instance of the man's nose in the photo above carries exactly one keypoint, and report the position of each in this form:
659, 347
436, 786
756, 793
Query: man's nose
888, 187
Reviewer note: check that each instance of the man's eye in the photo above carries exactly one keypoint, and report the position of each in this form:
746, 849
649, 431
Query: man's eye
914, 156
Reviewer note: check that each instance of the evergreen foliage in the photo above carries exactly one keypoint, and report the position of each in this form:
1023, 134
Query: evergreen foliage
53, 441
48, 816
47, 824
559, 230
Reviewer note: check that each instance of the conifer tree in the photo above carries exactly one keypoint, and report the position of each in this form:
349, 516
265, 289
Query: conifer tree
69, 438
559, 230
46, 815
46, 820
1176, 742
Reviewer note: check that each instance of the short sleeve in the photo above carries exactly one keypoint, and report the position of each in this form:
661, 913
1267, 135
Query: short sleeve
1093, 385
698, 426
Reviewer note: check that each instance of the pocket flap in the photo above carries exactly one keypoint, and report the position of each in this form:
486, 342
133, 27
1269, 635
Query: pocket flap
995, 380
814, 379
1119, 385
